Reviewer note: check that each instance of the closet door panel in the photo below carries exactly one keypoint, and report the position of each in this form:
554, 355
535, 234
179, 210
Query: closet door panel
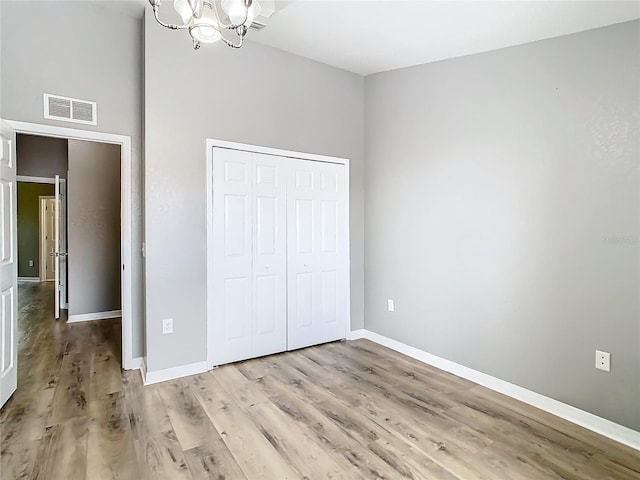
269, 255
317, 255
232, 256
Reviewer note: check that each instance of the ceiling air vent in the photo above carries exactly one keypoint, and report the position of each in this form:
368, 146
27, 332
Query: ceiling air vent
70, 109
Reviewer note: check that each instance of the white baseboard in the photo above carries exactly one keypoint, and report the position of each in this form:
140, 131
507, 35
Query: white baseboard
143, 370
134, 364
356, 334
29, 279
87, 317
170, 373
592, 422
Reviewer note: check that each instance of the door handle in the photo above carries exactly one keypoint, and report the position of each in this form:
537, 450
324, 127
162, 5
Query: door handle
306, 264
267, 267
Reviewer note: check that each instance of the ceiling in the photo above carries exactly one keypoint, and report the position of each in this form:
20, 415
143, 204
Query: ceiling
369, 36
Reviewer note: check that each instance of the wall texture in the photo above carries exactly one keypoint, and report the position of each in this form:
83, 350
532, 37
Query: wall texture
29, 226
503, 214
80, 50
257, 95
41, 156
93, 198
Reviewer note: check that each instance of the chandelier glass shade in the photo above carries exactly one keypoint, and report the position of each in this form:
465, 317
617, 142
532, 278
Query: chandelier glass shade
207, 21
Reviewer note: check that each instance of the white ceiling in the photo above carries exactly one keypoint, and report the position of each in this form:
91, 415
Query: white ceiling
365, 36
370, 36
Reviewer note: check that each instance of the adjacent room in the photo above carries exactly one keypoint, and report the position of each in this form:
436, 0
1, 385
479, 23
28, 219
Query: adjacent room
310, 239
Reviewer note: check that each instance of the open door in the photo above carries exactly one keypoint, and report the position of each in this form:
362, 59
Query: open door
9, 262
62, 240
59, 254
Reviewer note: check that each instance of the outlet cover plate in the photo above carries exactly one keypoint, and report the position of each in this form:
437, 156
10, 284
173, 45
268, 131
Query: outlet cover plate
603, 361
167, 326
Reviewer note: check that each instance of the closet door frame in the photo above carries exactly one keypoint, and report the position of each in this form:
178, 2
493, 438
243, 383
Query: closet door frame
210, 144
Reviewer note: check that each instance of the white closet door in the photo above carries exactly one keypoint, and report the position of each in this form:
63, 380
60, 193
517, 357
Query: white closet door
232, 256
316, 253
269, 254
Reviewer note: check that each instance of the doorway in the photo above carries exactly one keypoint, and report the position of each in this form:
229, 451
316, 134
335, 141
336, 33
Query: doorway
87, 214
125, 234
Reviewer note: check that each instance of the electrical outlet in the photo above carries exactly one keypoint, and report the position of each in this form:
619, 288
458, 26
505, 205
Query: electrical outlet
603, 361
390, 305
167, 326
31, 263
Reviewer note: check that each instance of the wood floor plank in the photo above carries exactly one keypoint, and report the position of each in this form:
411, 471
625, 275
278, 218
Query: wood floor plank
295, 445
110, 453
243, 391
106, 374
17, 458
71, 397
62, 452
158, 452
213, 462
255, 455
345, 450
29, 418
406, 459
188, 418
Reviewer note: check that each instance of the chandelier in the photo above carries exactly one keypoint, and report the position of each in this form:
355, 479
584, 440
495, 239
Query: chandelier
206, 24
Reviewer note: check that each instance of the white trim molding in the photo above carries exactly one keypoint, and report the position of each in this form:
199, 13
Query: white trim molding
592, 422
88, 317
126, 199
137, 363
31, 179
170, 373
356, 334
29, 279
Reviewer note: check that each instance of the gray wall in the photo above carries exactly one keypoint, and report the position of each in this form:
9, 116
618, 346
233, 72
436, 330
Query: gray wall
93, 199
79, 50
257, 95
503, 214
29, 226
41, 156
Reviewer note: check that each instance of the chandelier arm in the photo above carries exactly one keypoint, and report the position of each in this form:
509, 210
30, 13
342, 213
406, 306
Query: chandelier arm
194, 13
229, 43
229, 26
171, 26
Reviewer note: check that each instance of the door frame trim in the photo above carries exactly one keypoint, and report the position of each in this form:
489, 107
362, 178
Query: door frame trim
209, 145
126, 196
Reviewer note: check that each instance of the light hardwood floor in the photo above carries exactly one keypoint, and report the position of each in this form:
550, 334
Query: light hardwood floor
343, 410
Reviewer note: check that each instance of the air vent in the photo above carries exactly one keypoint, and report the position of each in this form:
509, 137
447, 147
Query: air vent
256, 25
70, 109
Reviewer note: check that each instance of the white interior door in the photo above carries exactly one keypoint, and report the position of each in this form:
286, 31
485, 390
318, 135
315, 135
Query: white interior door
62, 241
317, 258
8, 260
269, 317
232, 256
56, 243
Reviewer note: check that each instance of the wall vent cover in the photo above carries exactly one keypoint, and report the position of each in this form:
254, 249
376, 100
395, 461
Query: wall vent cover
256, 25
70, 109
